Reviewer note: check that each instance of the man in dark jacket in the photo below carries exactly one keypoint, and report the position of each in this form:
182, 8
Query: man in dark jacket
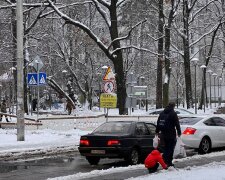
168, 124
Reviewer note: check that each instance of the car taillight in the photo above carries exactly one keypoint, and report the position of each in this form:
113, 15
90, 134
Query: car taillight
84, 142
189, 131
113, 142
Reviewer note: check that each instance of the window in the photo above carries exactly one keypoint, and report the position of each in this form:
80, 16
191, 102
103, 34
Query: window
210, 122
190, 120
219, 121
113, 128
151, 128
141, 129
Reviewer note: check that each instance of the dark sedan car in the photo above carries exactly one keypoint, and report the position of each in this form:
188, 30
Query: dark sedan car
129, 140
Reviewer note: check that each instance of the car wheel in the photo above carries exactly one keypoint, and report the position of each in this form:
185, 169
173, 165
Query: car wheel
93, 160
205, 145
134, 157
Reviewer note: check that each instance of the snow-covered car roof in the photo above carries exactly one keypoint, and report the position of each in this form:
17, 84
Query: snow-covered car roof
178, 111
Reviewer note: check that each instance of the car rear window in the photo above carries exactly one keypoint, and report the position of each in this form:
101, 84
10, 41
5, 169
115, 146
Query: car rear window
113, 128
190, 120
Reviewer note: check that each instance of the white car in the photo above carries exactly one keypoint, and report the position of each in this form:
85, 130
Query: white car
203, 133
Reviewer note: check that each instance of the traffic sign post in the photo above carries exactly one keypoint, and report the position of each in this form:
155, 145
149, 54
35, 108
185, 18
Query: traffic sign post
108, 99
38, 64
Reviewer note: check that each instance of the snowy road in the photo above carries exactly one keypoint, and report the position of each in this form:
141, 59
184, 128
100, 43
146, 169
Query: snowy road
70, 164
43, 168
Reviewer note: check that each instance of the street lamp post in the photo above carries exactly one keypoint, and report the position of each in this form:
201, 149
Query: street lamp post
214, 75
0, 92
195, 61
219, 90
64, 77
203, 81
210, 88
221, 79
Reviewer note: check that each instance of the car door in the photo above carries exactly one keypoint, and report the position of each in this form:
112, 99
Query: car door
220, 126
212, 130
144, 138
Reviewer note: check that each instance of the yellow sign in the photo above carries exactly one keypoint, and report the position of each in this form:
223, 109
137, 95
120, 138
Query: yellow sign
108, 100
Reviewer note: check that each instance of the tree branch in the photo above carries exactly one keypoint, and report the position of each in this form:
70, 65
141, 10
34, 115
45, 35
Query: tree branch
83, 27
104, 3
135, 47
102, 12
127, 36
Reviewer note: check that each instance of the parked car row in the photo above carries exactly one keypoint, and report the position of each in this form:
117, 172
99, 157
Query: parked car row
133, 140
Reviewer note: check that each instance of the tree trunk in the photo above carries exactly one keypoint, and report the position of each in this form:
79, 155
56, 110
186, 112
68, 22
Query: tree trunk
118, 60
160, 57
167, 56
187, 71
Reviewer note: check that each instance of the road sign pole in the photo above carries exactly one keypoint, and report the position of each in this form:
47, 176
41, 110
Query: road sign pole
38, 103
107, 114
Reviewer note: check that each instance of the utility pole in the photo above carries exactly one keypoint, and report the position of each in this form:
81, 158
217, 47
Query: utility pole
20, 75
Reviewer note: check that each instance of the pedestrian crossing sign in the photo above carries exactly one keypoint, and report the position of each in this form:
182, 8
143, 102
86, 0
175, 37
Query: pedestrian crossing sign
32, 79
42, 78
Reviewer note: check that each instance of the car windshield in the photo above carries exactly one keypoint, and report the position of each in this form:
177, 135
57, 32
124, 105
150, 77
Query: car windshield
113, 128
190, 120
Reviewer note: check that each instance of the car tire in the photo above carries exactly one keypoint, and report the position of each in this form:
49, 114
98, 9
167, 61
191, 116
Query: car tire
93, 160
205, 146
134, 157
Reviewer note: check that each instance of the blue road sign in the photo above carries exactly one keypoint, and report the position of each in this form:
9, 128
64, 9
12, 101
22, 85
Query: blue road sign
32, 79
42, 78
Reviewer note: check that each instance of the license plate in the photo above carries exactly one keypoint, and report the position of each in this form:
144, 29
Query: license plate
97, 151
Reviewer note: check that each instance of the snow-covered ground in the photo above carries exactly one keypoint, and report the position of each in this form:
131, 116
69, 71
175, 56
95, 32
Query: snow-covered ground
50, 140
210, 171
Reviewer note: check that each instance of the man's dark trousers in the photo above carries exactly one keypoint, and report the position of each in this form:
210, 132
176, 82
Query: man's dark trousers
168, 150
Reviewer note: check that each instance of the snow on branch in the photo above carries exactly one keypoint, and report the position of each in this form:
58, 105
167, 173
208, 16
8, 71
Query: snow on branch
34, 22
199, 10
65, 58
178, 31
102, 12
104, 3
51, 82
62, 7
120, 2
155, 39
128, 35
87, 30
214, 28
7, 1
176, 49
191, 6
138, 48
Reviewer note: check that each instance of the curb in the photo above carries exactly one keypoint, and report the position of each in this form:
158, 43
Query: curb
26, 154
